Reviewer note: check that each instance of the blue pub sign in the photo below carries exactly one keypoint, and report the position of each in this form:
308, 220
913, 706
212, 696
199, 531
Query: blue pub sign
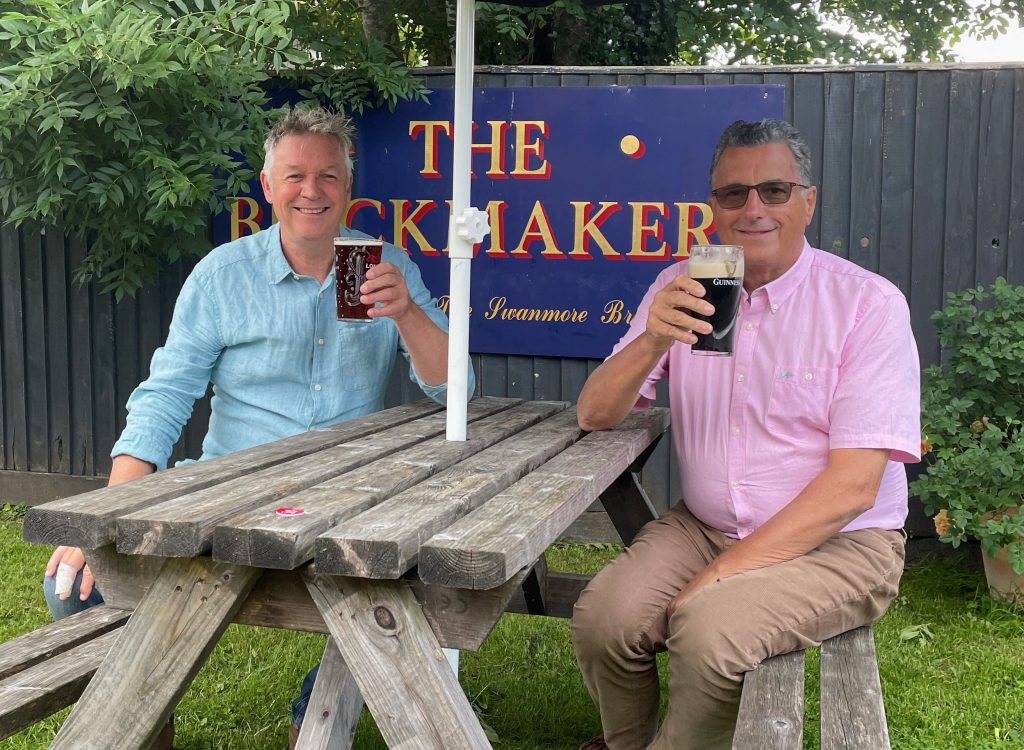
590, 193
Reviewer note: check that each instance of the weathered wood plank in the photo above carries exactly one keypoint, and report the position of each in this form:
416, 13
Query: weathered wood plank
398, 664
961, 210
995, 172
897, 181
12, 351
511, 530
58, 346
156, 656
184, 525
334, 706
37, 370
772, 706
384, 541
83, 445
32, 648
852, 711
88, 520
51, 685
866, 169
834, 198
461, 618
280, 599
261, 537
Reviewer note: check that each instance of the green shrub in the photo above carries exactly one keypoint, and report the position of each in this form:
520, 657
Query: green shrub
972, 408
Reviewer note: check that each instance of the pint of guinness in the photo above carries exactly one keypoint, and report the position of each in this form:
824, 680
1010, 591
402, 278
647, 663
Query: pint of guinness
719, 269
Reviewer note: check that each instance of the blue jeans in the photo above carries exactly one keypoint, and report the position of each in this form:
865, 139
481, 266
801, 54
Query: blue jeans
300, 704
73, 605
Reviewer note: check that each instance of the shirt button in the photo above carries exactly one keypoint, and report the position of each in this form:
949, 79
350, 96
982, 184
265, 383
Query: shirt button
295, 276
735, 485
808, 376
735, 430
739, 378
316, 387
749, 326
775, 308
320, 341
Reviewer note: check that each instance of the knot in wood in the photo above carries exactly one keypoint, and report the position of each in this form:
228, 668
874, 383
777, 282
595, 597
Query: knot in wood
384, 618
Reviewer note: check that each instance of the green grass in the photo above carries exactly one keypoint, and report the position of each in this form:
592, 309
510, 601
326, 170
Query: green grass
951, 660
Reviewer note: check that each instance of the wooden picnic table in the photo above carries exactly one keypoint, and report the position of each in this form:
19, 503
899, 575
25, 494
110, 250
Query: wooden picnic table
376, 530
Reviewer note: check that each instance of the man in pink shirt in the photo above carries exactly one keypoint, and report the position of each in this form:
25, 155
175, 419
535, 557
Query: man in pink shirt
791, 453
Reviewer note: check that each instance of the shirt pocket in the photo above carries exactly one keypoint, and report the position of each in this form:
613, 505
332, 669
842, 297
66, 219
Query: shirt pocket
801, 397
367, 354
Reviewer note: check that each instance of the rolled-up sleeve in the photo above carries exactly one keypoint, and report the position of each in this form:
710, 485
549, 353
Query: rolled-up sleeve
421, 297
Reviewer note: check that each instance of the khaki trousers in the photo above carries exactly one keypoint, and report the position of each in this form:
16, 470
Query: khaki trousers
619, 624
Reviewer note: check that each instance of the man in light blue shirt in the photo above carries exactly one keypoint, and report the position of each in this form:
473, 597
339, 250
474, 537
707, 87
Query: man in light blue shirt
256, 318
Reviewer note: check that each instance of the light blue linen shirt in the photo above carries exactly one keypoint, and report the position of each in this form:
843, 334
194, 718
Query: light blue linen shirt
269, 341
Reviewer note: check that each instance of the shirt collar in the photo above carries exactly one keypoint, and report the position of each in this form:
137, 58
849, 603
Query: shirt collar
779, 290
277, 265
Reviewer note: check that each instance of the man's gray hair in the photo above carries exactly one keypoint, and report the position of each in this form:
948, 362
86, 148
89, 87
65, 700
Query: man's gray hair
311, 120
760, 133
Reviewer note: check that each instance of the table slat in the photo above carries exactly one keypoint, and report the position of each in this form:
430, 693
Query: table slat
88, 520
510, 531
262, 538
184, 526
384, 541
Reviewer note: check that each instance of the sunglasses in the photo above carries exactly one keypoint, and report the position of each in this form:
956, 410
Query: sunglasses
772, 192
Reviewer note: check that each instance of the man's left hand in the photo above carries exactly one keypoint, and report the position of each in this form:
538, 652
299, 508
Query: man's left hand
698, 583
385, 285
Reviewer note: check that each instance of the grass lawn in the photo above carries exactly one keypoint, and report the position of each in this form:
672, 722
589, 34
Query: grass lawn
951, 660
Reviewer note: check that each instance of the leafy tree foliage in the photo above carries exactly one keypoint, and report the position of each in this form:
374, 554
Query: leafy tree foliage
661, 32
127, 120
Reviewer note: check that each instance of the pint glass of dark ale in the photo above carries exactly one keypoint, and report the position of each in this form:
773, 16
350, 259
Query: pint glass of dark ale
719, 269
353, 257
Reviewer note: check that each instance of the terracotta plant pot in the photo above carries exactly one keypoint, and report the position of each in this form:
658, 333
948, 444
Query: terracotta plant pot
1003, 581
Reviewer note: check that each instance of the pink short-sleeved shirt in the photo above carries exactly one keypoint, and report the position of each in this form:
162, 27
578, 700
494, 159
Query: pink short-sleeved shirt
824, 357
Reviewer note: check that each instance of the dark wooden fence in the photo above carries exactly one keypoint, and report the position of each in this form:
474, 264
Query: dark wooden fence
920, 175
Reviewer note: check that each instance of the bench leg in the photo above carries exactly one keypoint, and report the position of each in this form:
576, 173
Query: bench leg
156, 656
398, 664
334, 706
852, 712
771, 714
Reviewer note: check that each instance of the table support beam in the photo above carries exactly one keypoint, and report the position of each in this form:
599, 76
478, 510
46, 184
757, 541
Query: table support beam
156, 656
627, 503
398, 664
334, 707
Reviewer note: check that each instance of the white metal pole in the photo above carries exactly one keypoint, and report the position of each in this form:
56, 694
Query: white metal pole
460, 245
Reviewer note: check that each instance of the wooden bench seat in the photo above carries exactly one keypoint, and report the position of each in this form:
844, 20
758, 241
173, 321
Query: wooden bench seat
852, 713
46, 670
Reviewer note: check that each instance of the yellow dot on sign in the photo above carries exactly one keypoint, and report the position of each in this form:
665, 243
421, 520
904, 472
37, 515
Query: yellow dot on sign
630, 145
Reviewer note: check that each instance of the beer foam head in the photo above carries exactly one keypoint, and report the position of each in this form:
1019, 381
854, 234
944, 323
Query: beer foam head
700, 268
